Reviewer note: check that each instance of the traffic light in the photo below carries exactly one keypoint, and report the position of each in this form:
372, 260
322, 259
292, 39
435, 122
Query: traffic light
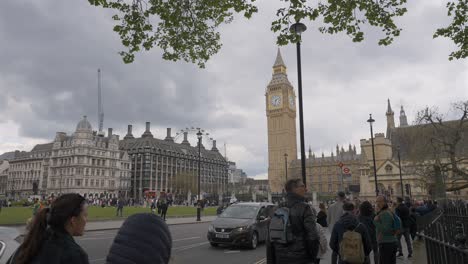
407, 189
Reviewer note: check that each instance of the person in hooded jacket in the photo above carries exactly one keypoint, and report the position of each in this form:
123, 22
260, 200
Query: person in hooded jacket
305, 248
348, 221
144, 239
366, 217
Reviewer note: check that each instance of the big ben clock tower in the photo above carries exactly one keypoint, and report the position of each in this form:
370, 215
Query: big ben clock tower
281, 120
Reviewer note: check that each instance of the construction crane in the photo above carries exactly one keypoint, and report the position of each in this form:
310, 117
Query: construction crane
100, 108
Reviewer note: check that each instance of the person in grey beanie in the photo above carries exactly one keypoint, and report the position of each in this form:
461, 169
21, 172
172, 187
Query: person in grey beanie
143, 239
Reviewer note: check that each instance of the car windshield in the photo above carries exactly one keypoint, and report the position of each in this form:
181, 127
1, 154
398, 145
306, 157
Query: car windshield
241, 212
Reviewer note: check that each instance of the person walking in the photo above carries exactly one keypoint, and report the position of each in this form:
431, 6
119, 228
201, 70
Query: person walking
384, 223
164, 207
305, 247
153, 206
144, 239
366, 217
50, 239
403, 212
413, 222
335, 211
120, 205
339, 240
322, 215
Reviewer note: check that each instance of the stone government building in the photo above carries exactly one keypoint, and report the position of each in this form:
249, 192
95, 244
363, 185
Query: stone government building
85, 162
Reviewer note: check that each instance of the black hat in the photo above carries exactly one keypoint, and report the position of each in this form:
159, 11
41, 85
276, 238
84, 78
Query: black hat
143, 238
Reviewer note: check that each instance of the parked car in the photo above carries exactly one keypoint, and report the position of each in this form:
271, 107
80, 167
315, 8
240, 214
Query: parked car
241, 224
9, 241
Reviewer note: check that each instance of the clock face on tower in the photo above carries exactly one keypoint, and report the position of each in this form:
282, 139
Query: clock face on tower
291, 101
275, 100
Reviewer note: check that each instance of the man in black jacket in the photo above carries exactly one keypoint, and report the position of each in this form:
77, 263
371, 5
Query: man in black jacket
403, 212
305, 248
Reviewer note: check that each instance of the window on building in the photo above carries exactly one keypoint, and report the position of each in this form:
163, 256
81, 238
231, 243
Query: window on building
330, 188
389, 168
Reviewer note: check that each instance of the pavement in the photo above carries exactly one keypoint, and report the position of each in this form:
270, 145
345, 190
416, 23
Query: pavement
116, 224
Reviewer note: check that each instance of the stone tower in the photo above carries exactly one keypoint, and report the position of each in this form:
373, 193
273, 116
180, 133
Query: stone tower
403, 119
280, 101
390, 120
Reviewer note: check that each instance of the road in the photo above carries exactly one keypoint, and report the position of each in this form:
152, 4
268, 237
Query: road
189, 246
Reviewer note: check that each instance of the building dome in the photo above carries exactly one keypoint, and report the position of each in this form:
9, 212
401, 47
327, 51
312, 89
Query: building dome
84, 125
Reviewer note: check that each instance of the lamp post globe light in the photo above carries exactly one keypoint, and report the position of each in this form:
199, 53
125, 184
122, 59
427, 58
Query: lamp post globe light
199, 136
370, 121
298, 28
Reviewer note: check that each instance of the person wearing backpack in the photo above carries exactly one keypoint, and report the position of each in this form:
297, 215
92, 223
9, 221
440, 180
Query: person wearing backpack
292, 233
403, 212
386, 227
350, 239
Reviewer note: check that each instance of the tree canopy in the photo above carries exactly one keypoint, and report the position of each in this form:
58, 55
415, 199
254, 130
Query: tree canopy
189, 29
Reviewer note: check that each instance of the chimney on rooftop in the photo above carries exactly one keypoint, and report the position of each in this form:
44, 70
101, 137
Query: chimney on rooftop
129, 133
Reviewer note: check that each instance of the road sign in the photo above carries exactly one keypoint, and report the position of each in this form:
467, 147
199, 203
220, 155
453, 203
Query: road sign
340, 164
346, 170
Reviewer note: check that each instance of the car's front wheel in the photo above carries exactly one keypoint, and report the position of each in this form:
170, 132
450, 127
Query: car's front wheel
253, 240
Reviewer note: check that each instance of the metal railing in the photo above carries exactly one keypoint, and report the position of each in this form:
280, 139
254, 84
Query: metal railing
444, 234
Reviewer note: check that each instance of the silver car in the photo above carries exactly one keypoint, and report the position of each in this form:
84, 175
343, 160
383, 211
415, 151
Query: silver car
9, 241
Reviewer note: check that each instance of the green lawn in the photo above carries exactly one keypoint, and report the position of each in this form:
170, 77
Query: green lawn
19, 215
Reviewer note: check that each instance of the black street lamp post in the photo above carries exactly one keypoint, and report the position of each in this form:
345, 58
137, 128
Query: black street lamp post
298, 28
199, 135
286, 165
399, 168
370, 120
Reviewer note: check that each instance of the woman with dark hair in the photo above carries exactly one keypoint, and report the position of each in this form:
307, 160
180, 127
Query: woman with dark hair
50, 241
366, 217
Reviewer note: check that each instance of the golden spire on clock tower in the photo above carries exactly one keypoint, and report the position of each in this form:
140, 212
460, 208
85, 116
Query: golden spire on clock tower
281, 120
279, 66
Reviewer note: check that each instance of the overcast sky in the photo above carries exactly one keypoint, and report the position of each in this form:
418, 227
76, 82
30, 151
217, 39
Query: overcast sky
50, 52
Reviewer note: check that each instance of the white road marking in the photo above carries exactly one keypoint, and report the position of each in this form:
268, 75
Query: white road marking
96, 260
231, 251
190, 246
182, 239
262, 261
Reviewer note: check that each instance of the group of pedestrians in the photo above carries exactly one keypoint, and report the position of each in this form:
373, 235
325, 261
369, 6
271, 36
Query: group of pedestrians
50, 237
380, 230
357, 229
